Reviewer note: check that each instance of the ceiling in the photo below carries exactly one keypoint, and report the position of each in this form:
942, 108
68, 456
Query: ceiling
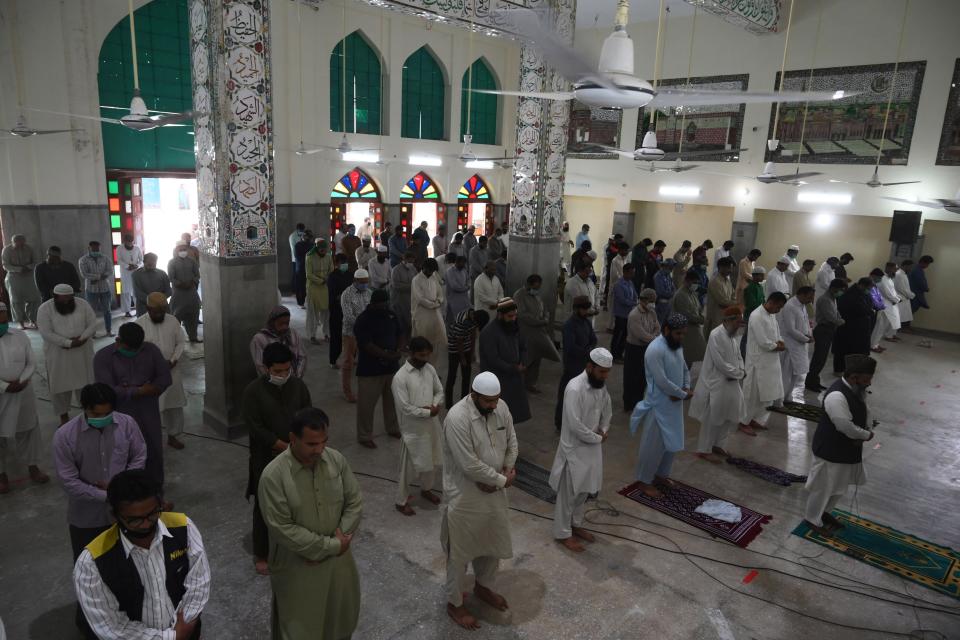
600, 13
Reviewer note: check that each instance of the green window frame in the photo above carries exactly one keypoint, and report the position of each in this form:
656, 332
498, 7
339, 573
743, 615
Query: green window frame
423, 103
484, 107
361, 73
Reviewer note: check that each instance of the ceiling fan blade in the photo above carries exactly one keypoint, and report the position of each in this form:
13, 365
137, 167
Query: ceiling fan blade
936, 204
166, 121
685, 97
798, 176
891, 184
701, 154
126, 109
686, 167
48, 131
75, 115
546, 95
629, 155
494, 158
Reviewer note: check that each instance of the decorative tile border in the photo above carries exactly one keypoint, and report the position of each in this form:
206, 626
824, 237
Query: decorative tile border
760, 17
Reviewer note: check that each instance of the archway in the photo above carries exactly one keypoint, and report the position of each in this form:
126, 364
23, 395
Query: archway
420, 201
355, 200
474, 205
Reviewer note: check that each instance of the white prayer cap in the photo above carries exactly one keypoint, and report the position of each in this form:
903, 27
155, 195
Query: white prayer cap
783, 259
601, 357
382, 249
63, 289
793, 247
486, 384
3, 307
758, 269
361, 273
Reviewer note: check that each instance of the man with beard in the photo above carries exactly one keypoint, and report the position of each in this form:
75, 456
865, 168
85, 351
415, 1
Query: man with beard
579, 339
503, 351
487, 289
479, 453
796, 334
853, 336
687, 303
826, 275
661, 410
440, 242
148, 279
278, 329
129, 259
67, 325
147, 576
56, 271
763, 383
806, 278
720, 254
401, 284
318, 267
138, 374
184, 274
426, 301
96, 270
581, 286
365, 253
457, 284
19, 261
718, 397
353, 302
164, 330
745, 271
477, 259
578, 465
379, 340
379, 269
720, 294
828, 320
793, 266
841, 269
418, 396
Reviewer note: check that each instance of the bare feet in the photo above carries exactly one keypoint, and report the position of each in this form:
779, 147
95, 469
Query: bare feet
572, 545
430, 497
747, 429
709, 457
649, 490
583, 534
260, 564
832, 523
37, 476
495, 600
172, 441
667, 482
759, 427
405, 509
823, 531
462, 617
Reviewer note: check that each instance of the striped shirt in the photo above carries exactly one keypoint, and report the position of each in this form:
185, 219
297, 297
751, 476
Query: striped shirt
159, 616
354, 302
460, 335
97, 273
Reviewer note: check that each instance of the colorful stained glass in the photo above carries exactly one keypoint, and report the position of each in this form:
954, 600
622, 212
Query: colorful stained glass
113, 204
113, 187
114, 221
474, 189
419, 187
355, 184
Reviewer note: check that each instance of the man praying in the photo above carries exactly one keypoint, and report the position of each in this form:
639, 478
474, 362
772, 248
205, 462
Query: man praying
794, 324
763, 383
164, 330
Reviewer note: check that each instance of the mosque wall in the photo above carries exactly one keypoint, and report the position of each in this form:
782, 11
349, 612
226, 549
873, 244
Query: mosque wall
596, 212
696, 223
942, 239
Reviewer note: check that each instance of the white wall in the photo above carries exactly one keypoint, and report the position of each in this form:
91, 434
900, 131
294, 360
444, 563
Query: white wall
853, 32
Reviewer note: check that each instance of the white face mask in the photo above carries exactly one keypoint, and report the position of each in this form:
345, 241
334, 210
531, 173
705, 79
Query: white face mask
182, 254
279, 380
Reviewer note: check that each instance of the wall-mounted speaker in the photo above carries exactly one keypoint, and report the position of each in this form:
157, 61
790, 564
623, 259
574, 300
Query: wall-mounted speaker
905, 227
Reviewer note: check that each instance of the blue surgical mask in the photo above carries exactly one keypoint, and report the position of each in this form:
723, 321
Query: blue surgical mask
100, 423
534, 292
361, 286
344, 267
95, 254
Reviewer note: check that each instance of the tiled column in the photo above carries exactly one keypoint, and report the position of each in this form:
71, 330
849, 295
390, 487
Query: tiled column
233, 135
536, 209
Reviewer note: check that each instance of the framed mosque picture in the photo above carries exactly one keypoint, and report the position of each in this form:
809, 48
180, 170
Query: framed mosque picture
592, 128
716, 127
949, 151
855, 128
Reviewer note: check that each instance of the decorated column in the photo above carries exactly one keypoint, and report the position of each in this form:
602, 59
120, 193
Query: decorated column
233, 136
536, 208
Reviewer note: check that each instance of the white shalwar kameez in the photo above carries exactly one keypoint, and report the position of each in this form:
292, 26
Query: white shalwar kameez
828, 481
69, 369
486, 292
426, 303
413, 389
18, 411
888, 318
127, 258
824, 277
475, 525
763, 383
171, 339
718, 397
776, 281
901, 282
578, 465
794, 326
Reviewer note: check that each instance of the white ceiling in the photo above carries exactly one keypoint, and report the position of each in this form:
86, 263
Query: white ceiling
600, 13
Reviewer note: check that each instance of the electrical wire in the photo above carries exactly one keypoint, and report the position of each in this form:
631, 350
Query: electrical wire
783, 66
893, 79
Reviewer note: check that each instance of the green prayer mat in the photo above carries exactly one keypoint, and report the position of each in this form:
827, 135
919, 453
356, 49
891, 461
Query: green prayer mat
907, 556
810, 412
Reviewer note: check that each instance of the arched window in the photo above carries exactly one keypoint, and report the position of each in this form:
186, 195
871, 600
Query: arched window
355, 199
474, 189
419, 187
355, 86
420, 202
422, 110
483, 106
474, 206
355, 184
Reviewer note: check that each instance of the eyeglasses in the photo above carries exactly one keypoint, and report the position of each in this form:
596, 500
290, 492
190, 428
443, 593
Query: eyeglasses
135, 521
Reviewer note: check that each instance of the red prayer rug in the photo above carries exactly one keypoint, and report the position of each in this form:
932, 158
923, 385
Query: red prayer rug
680, 501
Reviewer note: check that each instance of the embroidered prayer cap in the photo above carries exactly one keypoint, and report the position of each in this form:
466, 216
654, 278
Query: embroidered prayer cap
486, 384
159, 300
783, 260
361, 273
581, 301
758, 269
858, 363
648, 294
732, 312
382, 249
63, 289
506, 305
677, 321
379, 295
601, 357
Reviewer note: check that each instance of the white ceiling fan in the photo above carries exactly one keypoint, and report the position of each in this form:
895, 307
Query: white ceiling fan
947, 204
613, 84
21, 130
874, 181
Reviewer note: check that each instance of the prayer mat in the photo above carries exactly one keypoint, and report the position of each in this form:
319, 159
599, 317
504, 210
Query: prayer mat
907, 556
810, 412
681, 500
770, 474
535, 480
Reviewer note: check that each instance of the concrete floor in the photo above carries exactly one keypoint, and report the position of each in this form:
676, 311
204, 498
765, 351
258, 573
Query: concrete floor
618, 588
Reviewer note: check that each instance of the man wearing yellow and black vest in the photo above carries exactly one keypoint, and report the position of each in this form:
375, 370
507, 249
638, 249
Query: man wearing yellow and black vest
146, 576
838, 444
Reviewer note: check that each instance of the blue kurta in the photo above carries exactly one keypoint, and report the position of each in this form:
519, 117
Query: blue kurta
667, 376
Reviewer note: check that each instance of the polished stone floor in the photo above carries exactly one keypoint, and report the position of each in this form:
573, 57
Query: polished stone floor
637, 585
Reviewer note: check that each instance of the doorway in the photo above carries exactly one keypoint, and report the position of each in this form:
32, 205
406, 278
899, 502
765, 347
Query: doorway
169, 210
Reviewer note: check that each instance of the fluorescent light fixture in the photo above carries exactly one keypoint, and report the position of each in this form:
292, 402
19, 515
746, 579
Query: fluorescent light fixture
823, 221
479, 164
426, 161
679, 192
820, 197
361, 156
838, 94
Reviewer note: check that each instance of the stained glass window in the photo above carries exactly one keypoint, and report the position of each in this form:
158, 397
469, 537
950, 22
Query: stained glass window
483, 106
360, 72
355, 184
474, 189
419, 187
422, 110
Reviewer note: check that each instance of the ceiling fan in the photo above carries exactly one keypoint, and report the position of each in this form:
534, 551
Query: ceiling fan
874, 181
947, 204
21, 130
613, 84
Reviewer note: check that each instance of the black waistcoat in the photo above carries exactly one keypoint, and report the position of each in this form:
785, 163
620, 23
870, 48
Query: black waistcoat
828, 442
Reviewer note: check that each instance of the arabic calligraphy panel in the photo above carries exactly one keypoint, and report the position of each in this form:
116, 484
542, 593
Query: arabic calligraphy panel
246, 66
248, 187
247, 147
242, 23
247, 107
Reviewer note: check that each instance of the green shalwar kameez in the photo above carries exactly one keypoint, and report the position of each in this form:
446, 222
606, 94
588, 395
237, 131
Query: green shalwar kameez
316, 593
